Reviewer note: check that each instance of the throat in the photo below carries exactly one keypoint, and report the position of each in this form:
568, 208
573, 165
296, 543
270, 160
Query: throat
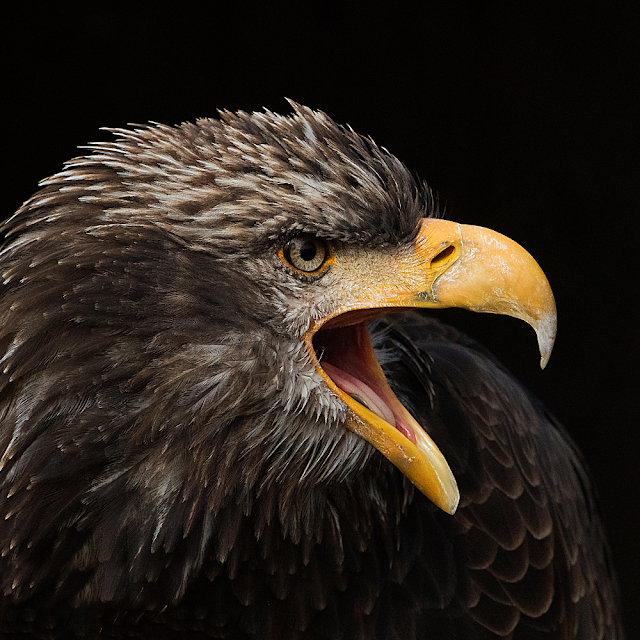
360, 391
347, 357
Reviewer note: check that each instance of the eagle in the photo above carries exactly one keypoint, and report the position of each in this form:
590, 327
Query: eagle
228, 409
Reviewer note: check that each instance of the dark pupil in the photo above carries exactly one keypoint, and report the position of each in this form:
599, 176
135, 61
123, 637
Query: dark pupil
308, 251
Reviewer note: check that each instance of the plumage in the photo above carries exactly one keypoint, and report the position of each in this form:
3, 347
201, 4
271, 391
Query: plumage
174, 462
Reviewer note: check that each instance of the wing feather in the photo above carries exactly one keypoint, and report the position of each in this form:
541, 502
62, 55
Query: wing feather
528, 529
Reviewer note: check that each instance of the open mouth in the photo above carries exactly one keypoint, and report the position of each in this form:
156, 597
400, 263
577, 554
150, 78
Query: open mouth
344, 357
345, 354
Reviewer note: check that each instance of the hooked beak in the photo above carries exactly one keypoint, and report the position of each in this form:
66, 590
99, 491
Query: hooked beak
448, 265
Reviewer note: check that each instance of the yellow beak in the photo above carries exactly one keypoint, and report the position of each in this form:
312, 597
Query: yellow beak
449, 265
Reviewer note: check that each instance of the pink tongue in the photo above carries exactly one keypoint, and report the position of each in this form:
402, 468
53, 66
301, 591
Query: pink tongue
360, 392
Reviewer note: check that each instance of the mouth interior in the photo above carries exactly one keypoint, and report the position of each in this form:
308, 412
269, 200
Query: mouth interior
345, 354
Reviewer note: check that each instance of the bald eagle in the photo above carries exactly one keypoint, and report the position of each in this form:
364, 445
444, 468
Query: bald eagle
214, 422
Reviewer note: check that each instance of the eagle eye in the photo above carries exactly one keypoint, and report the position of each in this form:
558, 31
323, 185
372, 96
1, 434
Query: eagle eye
305, 253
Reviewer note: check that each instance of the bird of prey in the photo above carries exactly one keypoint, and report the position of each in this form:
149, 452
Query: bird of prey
227, 409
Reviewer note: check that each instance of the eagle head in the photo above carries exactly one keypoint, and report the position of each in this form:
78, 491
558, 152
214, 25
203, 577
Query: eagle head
185, 348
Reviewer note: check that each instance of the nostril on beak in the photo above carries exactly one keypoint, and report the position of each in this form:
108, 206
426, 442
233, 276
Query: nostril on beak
442, 256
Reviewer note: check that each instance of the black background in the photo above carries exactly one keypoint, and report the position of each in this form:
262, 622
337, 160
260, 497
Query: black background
522, 117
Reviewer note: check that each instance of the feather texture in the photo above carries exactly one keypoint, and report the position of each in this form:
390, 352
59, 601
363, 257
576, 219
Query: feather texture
172, 465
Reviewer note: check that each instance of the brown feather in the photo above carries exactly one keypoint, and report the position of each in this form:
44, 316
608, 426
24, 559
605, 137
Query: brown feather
171, 465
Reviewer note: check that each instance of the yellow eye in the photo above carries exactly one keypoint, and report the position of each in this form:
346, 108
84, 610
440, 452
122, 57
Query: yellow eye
305, 253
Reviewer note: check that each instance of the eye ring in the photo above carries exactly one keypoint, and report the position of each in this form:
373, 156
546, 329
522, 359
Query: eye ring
306, 253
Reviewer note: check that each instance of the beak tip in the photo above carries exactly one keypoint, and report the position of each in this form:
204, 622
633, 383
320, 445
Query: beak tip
546, 332
453, 507
449, 497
